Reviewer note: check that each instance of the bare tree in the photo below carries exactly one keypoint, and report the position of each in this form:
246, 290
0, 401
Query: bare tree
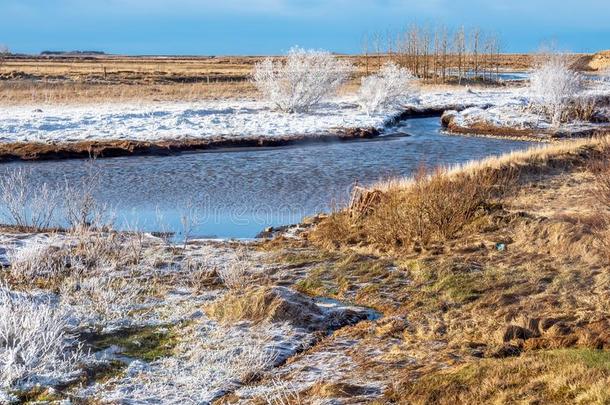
443, 54
365, 49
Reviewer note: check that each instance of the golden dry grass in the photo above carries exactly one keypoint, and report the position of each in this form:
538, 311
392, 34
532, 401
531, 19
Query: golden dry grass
15, 93
115, 78
431, 207
568, 376
511, 309
254, 304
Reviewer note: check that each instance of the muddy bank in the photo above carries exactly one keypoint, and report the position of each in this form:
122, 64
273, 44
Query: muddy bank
114, 148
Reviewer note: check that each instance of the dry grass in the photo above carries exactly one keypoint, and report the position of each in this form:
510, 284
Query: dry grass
429, 208
512, 308
118, 78
601, 191
559, 377
270, 305
14, 93
254, 304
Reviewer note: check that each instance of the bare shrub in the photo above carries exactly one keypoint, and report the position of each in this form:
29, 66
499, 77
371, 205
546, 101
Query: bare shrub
385, 88
302, 81
35, 345
80, 207
24, 204
190, 218
553, 86
29, 204
45, 262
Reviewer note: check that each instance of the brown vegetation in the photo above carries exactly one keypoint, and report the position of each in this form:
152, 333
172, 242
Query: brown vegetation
558, 376
61, 79
436, 207
508, 303
596, 62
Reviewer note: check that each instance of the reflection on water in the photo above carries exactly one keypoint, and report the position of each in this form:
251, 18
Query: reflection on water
237, 193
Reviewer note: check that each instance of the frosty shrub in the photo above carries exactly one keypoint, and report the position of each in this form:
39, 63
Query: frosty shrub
99, 301
24, 204
46, 260
35, 347
554, 86
385, 88
302, 80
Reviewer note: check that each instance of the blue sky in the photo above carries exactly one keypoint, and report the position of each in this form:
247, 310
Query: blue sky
231, 27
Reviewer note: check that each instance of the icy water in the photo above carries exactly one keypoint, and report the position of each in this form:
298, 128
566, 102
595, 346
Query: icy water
237, 193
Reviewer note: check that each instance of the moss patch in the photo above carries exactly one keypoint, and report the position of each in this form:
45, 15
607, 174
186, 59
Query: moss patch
148, 344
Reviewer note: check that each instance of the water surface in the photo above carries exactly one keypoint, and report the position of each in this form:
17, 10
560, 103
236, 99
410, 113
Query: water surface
237, 193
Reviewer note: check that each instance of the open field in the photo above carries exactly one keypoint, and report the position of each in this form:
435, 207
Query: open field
69, 79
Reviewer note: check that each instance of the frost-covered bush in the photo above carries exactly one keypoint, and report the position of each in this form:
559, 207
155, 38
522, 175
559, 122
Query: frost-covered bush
553, 87
235, 273
385, 88
302, 80
40, 260
35, 345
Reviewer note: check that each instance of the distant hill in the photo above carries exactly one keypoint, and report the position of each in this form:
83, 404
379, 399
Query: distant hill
71, 53
596, 62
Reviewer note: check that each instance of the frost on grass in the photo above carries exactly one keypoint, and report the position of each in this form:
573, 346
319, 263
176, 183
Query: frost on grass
35, 344
208, 362
237, 271
302, 81
386, 88
103, 301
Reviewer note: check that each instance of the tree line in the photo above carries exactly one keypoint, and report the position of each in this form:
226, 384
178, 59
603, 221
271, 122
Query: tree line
436, 54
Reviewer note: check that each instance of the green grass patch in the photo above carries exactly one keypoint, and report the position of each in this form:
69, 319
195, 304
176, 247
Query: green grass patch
598, 359
148, 344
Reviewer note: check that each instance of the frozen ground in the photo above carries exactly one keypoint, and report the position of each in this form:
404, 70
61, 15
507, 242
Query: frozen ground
122, 319
228, 118
173, 120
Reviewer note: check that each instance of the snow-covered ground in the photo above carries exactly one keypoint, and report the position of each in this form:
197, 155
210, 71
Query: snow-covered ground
174, 120
153, 121
516, 113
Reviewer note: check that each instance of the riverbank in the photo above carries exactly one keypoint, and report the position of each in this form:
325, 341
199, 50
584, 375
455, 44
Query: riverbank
33, 132
347, 308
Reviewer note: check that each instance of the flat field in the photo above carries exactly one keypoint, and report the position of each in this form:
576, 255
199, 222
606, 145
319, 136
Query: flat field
76, 79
